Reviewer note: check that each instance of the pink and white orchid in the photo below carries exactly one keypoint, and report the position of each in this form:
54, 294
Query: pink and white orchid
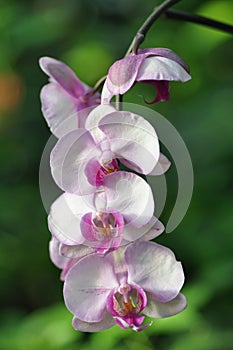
154, 66
115, 289
65, 99
103, 221
83, 160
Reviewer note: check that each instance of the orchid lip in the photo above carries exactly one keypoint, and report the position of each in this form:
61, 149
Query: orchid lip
125, 305
105, 226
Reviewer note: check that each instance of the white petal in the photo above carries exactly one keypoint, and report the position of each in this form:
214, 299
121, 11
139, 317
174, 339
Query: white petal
147, 232
156, 309
69, 159
155, 269
162, 165
131, 196
65, 215
93, 119
154, 232
161, 68
107, 322
106, 94
132, 138
88, 285
59, 109
76, 251
57, 259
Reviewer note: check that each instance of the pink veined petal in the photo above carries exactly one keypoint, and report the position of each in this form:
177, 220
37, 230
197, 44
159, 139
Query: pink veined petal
59, 109
68, 161
63, 75
155, 269
107, 322
122, 74
65, 216
88, 285
161, 68
156, 309
131, 196
162, 166
132, 139
167, 53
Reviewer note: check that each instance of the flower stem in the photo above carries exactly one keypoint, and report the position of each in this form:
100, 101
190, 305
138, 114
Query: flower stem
193, 18
97, 86
141, 33
118, 102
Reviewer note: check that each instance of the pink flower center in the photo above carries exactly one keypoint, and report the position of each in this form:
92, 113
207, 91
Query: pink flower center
105, 226
127, 301
125, 306
106, 169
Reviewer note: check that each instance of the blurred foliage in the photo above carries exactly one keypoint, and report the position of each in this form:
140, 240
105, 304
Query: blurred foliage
89, 36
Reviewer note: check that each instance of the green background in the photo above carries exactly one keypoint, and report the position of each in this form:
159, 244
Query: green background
89, 36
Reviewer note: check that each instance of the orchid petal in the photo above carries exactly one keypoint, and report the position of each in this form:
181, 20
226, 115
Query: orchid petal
76, 251
88, 285
57, 259
93, 119
161, 68
132, 138
65, 215
62, 262
124, 193
156, 309
155, 269
152, 229
106, 95
154, 232
162, 166
67, 268
63, 75
59, 109
122, 74
106, 323
69, 158
167, 53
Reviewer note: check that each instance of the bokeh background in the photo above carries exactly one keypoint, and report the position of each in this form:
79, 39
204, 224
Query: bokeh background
89, 36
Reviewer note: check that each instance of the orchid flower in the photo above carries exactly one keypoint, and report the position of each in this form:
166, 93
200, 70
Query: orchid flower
84, 160
65, 99
104, 221
144, 278
154, 66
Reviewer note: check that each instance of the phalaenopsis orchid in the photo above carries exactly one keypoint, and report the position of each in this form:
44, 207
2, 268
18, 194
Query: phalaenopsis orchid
103, 223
